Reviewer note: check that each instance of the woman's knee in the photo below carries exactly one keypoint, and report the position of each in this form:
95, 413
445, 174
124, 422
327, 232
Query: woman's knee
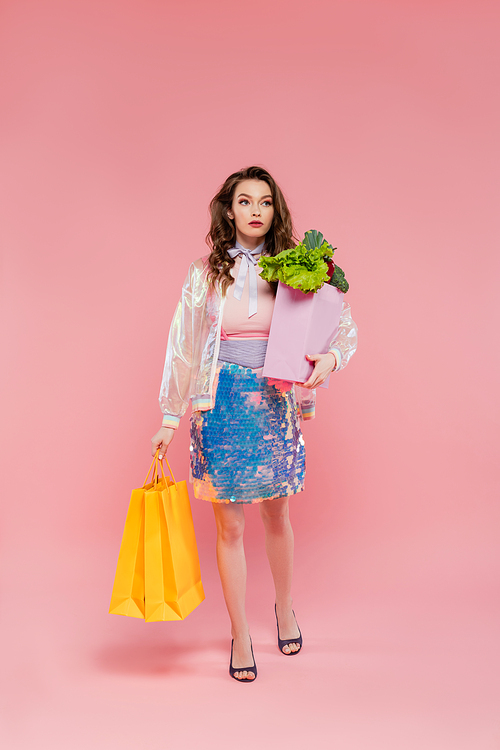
274, 512
230, 523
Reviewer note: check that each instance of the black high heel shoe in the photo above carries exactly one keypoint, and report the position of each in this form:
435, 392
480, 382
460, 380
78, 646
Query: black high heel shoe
287, 642
252, 669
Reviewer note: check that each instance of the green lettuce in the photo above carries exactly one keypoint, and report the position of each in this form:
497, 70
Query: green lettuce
304, 267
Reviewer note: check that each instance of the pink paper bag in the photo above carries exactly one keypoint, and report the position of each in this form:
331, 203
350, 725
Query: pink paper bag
302, 324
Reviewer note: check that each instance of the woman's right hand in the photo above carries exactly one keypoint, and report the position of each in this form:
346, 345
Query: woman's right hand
162, 440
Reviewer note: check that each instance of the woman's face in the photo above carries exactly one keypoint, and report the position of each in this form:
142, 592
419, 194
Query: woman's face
252, 211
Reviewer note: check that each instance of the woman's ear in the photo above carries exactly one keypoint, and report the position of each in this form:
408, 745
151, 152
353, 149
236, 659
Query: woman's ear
230, 213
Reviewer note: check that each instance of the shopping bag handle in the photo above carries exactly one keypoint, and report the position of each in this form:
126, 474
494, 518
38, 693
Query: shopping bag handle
149, 471
169, 468
154, 475
157, 462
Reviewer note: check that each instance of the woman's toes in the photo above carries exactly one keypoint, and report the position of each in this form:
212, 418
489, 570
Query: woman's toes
291, 648
244, 675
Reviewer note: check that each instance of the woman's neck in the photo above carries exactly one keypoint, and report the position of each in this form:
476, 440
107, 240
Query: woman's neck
249, 243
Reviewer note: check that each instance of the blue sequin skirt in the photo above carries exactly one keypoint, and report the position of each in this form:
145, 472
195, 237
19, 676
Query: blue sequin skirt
249, 447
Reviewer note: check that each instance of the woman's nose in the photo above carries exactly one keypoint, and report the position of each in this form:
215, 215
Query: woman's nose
256, 211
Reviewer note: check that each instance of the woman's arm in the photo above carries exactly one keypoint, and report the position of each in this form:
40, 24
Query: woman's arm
346, 341
175, 390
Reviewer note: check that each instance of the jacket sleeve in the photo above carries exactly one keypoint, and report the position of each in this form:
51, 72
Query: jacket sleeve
306, 402
346, 341
343, 347
182, 346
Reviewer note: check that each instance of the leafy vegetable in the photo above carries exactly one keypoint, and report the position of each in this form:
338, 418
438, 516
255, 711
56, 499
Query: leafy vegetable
313, 239
339, 280
304, 267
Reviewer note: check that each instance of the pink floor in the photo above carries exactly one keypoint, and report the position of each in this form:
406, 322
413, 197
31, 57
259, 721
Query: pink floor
412, 665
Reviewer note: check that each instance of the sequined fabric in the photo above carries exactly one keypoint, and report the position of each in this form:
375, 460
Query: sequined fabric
249, 447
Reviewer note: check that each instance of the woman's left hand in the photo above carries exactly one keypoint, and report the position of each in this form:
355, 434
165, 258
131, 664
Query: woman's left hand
325, 363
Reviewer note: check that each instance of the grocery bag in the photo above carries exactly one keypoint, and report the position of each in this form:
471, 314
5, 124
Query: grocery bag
301, 324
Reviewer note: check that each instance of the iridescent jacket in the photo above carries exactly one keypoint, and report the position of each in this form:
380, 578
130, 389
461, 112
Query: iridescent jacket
193, 349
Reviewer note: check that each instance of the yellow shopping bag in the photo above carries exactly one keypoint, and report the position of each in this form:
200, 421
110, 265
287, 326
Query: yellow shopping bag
158, 570
173, 586
127, 597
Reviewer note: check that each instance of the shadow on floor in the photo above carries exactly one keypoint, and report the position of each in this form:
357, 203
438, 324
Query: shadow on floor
159, 659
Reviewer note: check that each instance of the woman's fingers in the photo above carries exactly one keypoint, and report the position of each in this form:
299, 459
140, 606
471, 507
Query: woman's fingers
162, 440
310, 383
322, 368
314, 383
157, 444
317, 382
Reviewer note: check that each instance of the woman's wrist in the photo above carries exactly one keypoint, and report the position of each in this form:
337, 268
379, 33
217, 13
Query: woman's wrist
334, 361
337, 357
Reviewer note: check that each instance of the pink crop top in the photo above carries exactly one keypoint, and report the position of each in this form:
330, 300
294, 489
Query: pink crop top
235, 320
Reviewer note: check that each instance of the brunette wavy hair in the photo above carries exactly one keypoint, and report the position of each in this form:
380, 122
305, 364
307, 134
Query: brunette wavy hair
222, 234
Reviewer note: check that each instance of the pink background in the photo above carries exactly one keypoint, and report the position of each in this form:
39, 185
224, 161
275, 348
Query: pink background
380, 120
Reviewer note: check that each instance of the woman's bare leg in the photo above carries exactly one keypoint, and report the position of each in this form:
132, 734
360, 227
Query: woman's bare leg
230, 522
279, 548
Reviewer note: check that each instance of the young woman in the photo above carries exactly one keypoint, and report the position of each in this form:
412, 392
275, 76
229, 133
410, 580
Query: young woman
246, 443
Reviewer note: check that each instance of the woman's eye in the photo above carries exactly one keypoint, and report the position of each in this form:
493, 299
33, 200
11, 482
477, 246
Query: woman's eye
243, 201
267, 203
